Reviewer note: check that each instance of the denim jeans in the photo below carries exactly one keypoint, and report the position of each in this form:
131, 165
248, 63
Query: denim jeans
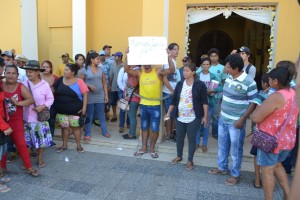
99, 108
132, 117
122, 113
232, 138
216, 116
187, 128
205, 130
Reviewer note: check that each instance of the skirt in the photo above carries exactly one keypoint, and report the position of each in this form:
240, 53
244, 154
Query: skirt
37, 134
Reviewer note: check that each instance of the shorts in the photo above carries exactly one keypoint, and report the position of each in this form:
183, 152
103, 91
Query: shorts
167, 103
150, 116
66, 121
113, 98
253, 151
270, 159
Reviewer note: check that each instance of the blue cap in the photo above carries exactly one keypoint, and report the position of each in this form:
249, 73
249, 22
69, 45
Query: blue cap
102, 53
119, 54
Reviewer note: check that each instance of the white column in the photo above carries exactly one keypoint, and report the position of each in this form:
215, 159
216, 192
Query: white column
29, 29
166, 19
79, 26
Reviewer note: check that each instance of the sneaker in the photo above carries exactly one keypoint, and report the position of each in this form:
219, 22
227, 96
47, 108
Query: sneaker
231, 181
128, 137
121, 130
113, 119
96, 122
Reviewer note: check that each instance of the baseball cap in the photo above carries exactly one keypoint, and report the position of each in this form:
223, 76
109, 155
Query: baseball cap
119, 54
244, 49
8, 54
21, 58
102, 53
65, 54
106, 46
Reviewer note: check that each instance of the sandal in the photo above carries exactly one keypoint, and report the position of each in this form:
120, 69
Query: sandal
4, 188
2, 174
140, 153
189, 165
256, 186
231, 181
80, 149
154, 155
34, 173
42, 164
204, 148
4, 180
216, 171
176, 160
61, 149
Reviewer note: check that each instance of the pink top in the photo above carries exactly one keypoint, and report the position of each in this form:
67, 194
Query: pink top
42, 94
273, 123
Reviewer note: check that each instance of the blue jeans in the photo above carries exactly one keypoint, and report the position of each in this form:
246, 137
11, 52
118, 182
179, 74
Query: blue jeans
167, 103
122, 113
150, 115
206, 129
230, 138
216, 116
99, 108
132, 117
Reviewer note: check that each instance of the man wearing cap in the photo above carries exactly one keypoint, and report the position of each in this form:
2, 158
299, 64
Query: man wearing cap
245, 54
106, 66
8, 57
113, 76
59, 70
20, 61
107, 49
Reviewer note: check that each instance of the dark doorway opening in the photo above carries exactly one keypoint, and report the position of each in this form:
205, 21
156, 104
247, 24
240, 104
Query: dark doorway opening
229, 34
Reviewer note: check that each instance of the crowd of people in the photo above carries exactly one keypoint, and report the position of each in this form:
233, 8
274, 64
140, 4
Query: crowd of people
34, 97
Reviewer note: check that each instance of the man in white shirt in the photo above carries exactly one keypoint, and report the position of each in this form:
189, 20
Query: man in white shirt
20, 62
248, 67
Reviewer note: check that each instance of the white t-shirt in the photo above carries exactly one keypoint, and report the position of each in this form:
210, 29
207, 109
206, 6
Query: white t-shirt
252, 71
186, 113
172, 78
22, 75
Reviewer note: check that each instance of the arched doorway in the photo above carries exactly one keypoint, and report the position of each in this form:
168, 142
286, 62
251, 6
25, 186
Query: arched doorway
214, 39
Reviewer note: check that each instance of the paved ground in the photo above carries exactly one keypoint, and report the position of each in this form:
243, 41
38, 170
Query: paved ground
103, 176
108, 170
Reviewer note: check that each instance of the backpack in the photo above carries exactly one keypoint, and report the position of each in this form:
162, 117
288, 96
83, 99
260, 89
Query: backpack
248, 68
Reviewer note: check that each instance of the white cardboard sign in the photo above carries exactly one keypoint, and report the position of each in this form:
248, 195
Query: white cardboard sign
147, 51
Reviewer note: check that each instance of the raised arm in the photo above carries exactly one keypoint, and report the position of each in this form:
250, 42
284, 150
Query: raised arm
164, 72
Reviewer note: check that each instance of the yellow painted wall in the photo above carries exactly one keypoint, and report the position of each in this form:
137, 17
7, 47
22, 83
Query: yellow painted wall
288, 40
112, 22
54, 29
10, 30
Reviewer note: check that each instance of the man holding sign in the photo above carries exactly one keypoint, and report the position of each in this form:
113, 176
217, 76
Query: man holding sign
150, 83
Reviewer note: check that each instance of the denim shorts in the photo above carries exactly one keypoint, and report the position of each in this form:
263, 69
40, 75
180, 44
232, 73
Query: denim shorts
150, 116
167, 103
270, 159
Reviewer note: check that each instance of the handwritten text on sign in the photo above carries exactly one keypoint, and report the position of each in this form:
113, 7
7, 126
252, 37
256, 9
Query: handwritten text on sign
147, 51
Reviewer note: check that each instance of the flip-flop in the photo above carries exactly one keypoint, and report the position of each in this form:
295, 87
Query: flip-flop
61, 149
175, 161
34, 173
4, 188
154, 155
4, 180
140, 153
254, 185
41, 165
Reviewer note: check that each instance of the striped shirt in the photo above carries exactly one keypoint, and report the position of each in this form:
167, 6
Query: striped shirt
237, 94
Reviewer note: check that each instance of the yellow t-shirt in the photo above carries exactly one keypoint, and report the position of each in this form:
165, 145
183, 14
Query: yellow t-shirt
59, 70
150, 87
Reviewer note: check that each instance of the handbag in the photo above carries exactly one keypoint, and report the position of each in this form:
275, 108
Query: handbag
123, 104
44, 115
265, 141
4, 138
83, 120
